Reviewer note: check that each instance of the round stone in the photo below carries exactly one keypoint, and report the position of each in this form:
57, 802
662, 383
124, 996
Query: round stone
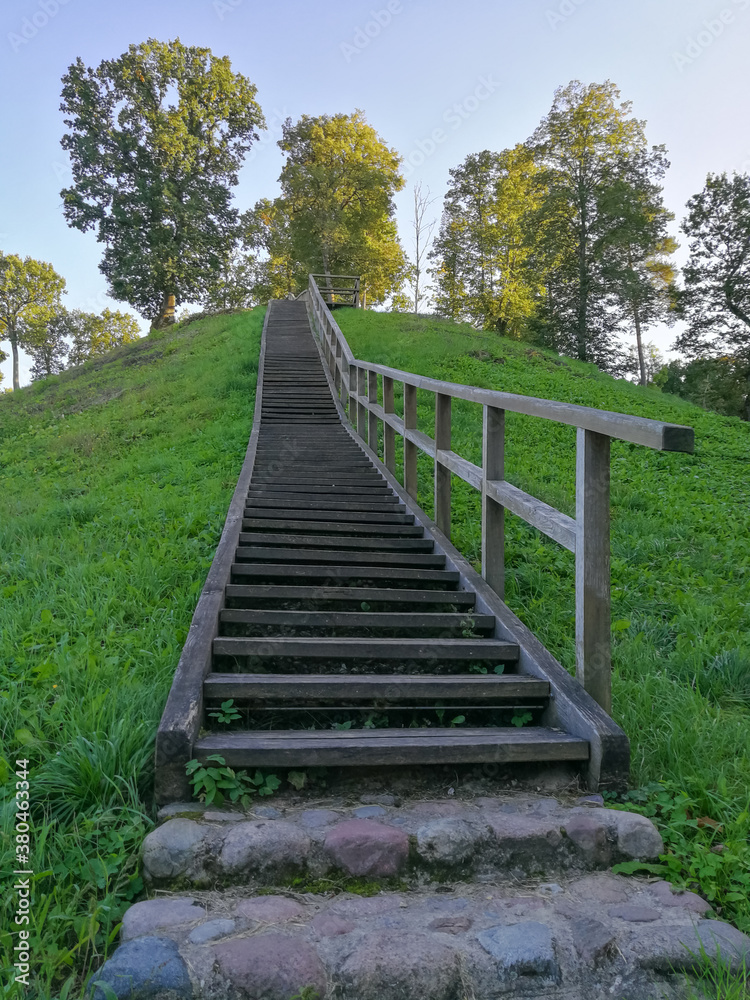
259, 846
172, 848
144, 968
151, 915
363, 847
633, 913
271, 966
270, 909
211, 931
449, 841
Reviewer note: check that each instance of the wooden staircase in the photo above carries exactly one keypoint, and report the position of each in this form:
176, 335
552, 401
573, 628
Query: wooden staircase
344, 626
338, 607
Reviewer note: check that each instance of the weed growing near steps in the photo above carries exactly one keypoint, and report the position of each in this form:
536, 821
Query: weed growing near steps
115, 480
680, 559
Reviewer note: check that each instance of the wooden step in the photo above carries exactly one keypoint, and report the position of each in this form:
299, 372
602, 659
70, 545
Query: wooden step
359, 517
374, 687
258, 553
446, 578
336, 541
379, 747
386, 505
355, 619
356, 595
477, 650
329, 527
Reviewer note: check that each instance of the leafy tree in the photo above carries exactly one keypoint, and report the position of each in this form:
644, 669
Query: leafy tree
337, 190
93, 335
30, 293
716, 298
267, 233
156, 139
482, 251
638, 264
422, 227
588, 145
715, 383
48, 346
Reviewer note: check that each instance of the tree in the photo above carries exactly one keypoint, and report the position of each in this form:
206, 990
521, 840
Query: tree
156, 139
93, 335
482, 252
716, 298
422, 229
638, 264
30, 293
337, 190
715, 383
266, 232
588, 145
48, 346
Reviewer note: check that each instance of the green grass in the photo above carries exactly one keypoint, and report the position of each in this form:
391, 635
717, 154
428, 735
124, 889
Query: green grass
115, 479
680, 568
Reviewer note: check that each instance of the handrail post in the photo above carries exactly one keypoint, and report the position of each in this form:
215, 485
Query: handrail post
389, 433
356, 293
372, 420
337, 379
593, 625
493, 513
340, 384
410, 449
361, 408
353, 390
442, 472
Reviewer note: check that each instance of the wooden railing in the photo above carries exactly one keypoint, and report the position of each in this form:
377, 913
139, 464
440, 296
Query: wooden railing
339, 289
587, 535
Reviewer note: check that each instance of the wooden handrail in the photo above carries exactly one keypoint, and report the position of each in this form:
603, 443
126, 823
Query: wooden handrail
587, 535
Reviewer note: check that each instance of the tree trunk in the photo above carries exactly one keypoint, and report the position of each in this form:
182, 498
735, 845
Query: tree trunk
14, 348
639, 342
166, 313
583, 291
747, 397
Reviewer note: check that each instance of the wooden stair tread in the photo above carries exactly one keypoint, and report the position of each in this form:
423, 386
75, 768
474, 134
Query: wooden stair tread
378, 747
368, 558
337, 541
329, 527
356, 619
371, 649
388, 687
356, 594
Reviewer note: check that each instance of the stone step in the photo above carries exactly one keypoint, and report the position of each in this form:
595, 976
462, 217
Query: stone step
491, 898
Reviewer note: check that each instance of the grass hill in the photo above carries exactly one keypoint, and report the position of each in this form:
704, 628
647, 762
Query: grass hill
115, 479
114, 483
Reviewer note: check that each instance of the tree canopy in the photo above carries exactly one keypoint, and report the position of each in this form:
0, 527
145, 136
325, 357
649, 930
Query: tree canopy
156, 139
716, 298
337, 187
30, 293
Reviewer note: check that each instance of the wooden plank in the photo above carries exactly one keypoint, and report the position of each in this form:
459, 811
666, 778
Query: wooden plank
373, 595
540, 515
338, 541
372, 420
384, 505
327, 572
359, 517
372, 687
379, 747
358, 619
638, 430
264, 553
361, 408
389, 434
410, 451
493, 512
329, 527
593, 616
461, 467
479, 650
442, 472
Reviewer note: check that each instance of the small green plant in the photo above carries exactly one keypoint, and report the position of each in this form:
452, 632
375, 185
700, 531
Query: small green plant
226, 714
458, 720
342, 726
306, 993
468, 628
521, 720
214, 782
297, 779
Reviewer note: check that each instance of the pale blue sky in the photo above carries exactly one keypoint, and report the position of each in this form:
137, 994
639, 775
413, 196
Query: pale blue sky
482, 74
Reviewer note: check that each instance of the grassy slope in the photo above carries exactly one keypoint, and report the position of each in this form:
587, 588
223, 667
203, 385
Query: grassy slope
680, 567
115, 479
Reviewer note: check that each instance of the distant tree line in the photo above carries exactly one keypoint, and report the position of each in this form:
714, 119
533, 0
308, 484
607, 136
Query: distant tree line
562, 240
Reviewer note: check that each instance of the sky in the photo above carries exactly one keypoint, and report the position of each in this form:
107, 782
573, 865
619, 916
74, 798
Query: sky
437, 80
